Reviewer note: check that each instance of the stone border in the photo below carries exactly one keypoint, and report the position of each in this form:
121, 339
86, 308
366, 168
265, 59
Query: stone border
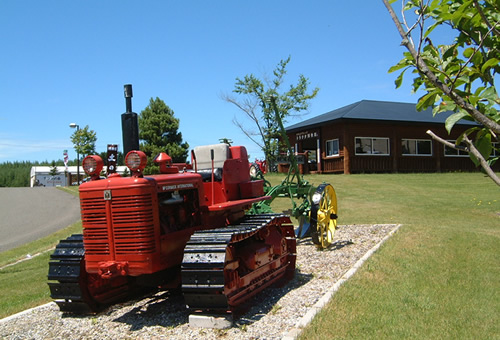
318, 306
14, 316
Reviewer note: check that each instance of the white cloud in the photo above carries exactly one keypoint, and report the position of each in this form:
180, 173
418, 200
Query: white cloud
12, 149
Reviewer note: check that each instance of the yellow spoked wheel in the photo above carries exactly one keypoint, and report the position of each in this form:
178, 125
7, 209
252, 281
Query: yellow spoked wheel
323, 216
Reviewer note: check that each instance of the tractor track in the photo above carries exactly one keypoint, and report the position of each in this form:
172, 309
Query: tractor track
203, 268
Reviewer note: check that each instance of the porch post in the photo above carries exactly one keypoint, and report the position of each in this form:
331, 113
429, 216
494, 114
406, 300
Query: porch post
318, 153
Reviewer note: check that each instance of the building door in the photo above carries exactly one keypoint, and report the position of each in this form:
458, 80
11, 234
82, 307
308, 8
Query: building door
309, 146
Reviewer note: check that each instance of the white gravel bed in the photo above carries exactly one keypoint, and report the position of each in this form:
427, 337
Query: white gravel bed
270, 315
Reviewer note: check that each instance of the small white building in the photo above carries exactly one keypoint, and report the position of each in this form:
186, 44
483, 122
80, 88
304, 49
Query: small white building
40, 175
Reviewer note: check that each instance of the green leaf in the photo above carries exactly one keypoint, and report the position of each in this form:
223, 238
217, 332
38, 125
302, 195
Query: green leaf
449, 51
446, 105
468, 52
474, 99
492, 161
417, 82
428, 100
491, 62
489, 94
399, 79
402, 64
474, 159
483, 144
479, 90
468, 132
453, 119
430, 29
408, 5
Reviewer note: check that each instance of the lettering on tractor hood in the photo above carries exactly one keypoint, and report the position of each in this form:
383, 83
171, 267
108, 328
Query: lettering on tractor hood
177, 186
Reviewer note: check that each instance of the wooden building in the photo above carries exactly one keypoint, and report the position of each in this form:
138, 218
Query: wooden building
377, 136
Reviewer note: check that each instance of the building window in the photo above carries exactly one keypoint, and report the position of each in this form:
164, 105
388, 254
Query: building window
372, 146
332, 147
416, 147
496, 149
450, 152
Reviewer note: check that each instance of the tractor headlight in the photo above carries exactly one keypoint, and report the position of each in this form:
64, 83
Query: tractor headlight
92, 165
316, 198
136, 161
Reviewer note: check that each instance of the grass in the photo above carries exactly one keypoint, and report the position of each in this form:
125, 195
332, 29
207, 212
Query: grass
24, 285
438, 277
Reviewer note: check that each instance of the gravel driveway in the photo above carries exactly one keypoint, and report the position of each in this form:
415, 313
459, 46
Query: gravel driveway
27, 214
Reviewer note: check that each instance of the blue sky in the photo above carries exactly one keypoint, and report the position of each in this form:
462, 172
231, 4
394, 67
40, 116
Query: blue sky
67, 61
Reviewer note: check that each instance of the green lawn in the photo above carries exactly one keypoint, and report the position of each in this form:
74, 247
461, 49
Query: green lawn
438, 277
24, 285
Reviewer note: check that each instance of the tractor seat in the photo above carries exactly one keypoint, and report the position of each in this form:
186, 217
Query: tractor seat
206, 174
203, 155
204, 160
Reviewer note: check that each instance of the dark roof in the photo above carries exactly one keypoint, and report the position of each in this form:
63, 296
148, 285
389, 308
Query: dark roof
378, 110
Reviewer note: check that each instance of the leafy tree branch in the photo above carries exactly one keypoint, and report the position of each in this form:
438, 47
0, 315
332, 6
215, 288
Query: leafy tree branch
470, 148
458, 76
256, 104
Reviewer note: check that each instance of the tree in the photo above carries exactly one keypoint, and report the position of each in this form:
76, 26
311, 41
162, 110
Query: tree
53, 169
84, 141
257, 106
458, 76
158, 133
16, 174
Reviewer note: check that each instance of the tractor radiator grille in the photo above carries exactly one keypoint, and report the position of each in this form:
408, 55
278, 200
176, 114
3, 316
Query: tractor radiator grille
95, 228
132, 224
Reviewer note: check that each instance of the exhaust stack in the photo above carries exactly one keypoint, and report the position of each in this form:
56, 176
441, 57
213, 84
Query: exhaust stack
130, 127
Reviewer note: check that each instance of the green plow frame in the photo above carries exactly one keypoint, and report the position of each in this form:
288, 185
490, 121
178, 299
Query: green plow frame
298, 190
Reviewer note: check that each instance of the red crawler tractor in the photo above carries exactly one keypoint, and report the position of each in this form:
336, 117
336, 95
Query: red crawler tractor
182, 226
210, 229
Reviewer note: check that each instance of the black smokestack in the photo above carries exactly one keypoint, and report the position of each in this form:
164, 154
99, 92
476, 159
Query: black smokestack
128, 97
130, 128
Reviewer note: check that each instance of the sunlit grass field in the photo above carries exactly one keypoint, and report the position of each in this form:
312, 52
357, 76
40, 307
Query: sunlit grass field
438, 277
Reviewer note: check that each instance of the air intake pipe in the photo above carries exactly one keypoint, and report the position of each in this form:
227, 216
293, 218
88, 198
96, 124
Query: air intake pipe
130, 127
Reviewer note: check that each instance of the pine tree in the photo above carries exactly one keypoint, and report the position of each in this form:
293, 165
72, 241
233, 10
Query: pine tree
158, 132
